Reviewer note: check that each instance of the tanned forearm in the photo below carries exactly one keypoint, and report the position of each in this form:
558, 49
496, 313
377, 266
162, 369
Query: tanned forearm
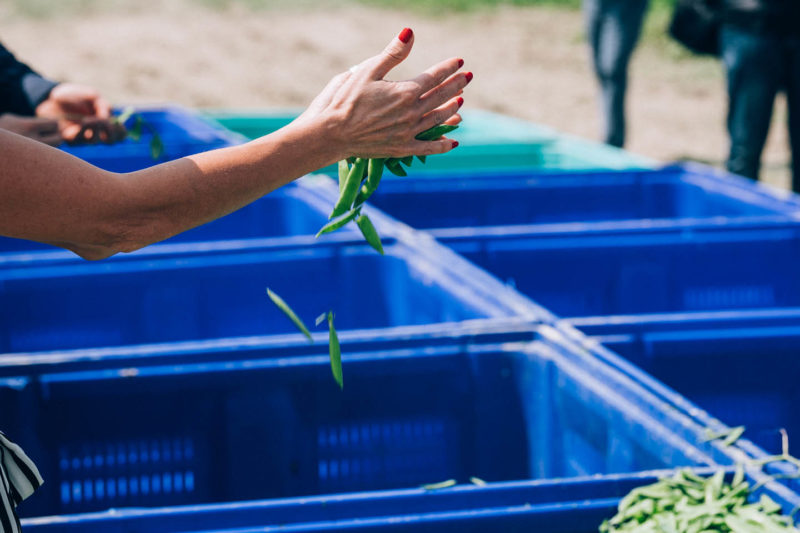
50, 196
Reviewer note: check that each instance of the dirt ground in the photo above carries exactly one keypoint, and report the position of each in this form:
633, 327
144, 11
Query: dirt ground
528, 62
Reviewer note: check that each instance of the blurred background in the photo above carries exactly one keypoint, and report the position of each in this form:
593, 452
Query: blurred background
530, 60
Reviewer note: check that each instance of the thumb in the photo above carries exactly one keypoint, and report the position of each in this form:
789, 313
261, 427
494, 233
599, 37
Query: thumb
394, 53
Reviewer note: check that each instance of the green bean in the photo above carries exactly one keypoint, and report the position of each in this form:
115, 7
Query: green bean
335, 352
435, 132
369, 233
283, 306
374, 174
337, 223
344, 170
440, 485
350, 190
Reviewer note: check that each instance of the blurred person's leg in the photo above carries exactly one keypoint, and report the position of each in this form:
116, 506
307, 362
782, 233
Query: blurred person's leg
755, 75
793, 97
613, 28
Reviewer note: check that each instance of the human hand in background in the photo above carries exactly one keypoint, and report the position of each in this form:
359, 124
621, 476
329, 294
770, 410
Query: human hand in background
40, 129
368, 116
84, 117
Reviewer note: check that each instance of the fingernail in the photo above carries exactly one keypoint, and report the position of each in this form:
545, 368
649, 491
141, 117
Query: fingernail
405, 35
469, 76
455, 143
460, 101
460, 63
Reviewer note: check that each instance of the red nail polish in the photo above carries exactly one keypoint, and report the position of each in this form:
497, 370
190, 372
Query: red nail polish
460, 63
460, 101
455, 143
405, 35
469, 76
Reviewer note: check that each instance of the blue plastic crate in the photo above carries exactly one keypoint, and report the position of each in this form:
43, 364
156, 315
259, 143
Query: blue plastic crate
548, 506
290, 210
231, 429
688, 195
182, 132
218, 289
741, 367
600, 271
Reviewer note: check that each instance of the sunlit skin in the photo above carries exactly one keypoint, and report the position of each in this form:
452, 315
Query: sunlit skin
52, 197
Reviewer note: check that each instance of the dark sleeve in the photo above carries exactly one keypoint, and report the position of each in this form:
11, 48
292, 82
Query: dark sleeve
21, 89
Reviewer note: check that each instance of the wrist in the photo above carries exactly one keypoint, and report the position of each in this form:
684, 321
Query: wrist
321, 133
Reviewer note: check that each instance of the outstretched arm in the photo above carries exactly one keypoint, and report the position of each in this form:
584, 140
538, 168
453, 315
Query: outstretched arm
50, 196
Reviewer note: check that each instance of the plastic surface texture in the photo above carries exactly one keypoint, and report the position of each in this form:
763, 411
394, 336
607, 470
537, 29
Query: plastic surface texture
683, 196
235, 429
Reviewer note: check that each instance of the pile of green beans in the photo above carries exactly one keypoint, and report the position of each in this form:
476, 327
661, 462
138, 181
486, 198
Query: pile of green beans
688, 503
359, 179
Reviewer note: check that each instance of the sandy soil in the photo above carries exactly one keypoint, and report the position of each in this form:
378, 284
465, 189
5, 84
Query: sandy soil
530, 63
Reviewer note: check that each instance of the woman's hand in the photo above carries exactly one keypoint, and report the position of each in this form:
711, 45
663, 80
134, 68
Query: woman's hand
367, 116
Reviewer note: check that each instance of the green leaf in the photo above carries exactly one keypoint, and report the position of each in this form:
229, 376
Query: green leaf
407, 160
440, 485
421, 159
335, 224
394, 167
283, 306
335, 352
370, 233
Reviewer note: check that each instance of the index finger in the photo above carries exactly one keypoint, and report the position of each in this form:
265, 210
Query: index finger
437, 74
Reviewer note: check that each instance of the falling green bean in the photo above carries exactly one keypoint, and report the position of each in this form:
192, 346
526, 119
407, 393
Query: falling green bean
350, 190
370, 233
283, 306
335, 352
440, 485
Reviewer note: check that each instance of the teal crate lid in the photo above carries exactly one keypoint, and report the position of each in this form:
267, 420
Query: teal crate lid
487, 140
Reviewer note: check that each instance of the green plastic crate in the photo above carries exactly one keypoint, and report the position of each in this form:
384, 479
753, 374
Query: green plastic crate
487, 141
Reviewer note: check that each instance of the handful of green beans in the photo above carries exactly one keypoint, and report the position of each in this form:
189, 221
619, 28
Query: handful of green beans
688, 503
359, 179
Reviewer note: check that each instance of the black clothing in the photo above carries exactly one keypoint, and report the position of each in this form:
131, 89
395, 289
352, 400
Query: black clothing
21, 89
